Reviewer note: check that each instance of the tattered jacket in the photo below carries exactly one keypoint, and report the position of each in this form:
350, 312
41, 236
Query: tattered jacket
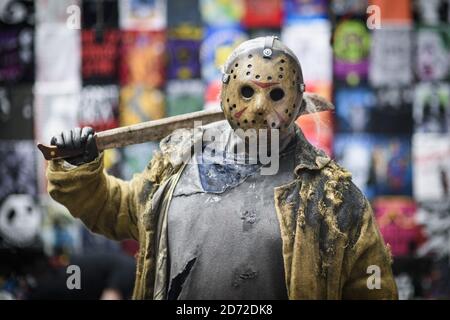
332, 248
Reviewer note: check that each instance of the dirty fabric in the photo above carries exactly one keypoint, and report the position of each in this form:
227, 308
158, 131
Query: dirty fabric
224, 236
318, 202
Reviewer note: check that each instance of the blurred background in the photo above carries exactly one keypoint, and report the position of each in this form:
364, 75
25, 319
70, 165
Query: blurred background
104, 63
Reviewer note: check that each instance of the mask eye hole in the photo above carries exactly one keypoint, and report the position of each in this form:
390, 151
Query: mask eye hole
247, 91
277, 94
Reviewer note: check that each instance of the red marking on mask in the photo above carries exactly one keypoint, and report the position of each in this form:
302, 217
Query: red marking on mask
237, 115
264, 84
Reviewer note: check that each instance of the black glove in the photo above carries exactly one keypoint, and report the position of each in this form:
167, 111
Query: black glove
77, 139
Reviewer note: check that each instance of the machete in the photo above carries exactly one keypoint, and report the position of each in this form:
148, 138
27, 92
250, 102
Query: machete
153, 130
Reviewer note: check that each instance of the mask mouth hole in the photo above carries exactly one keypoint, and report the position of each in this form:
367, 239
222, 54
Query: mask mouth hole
277, 94
247, 91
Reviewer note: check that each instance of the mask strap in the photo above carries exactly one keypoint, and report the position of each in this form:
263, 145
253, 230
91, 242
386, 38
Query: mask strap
268, 46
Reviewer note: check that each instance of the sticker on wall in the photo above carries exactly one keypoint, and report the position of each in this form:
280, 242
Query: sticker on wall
143, 14
310, 41
99, 107
215, 49
432, 107
351, 47
390, 57
16, 112
139, 103
431, 152
142, 58
100, 59
184, 96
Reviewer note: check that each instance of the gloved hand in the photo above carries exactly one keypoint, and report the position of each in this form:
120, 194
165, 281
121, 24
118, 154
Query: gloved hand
75, 139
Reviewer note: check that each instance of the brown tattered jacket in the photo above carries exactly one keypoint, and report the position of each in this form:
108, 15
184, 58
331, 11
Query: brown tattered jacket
330, 237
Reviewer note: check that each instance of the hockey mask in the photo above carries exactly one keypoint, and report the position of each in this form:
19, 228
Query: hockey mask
262, 86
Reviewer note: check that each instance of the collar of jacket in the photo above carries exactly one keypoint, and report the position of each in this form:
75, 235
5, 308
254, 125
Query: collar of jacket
179, 146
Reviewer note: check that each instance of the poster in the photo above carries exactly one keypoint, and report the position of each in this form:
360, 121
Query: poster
16, 13
222, 13
396, 218
431, 152
16, 55
18, 168
354, 108
142, 58
58, 56
99, 107
183, 13
380, 165
19, 214
435, 218
393, 112
143, 14
296, 10
432, 54
55, 11
217, 45
386, 110
184, 96
391, 56
16, 112
139, 103
349, 7
270, 13
431, 12
54, 113
351, 49
100, 14
183, 49
432, 107
100, 59
310, 41
394, 12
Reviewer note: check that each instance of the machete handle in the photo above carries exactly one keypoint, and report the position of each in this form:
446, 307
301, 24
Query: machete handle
55, 153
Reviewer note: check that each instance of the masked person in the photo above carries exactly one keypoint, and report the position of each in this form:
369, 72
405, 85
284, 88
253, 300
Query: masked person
218, 220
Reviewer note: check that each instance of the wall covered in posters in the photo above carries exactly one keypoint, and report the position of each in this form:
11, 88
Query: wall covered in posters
133, 61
